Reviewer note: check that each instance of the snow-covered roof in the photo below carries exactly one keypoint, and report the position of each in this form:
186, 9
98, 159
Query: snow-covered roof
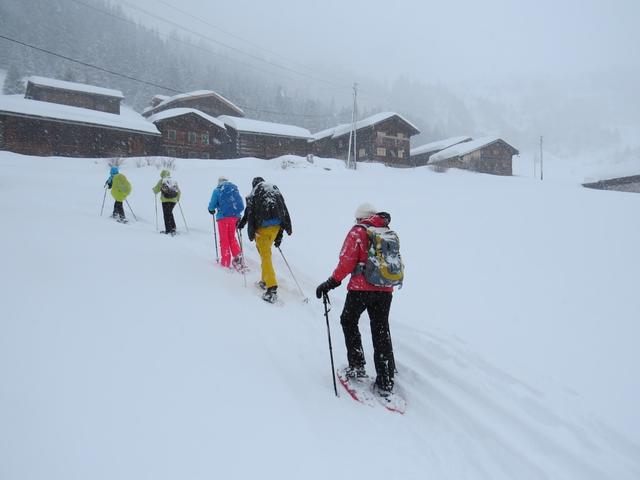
127, 120
345, 128
74, 87
268, 128
370, 121
177, 112
326, 133
194, 94
462, 149
439, 145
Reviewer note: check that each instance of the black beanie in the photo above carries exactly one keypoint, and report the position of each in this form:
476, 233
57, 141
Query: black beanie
256, 181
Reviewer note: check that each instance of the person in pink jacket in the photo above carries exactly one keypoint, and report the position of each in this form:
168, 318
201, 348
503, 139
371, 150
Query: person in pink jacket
361, 296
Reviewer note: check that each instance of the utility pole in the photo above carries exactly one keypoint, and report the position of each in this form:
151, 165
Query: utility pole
541, 161
352, 132
355, 130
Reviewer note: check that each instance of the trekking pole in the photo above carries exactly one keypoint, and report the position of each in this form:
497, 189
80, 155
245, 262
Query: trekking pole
156, 197
182, 213
244, 266
103, 199
134, 215
215, 238
305, 298
325, 300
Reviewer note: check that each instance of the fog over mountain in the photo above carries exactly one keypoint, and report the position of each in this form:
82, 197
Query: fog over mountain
565, 70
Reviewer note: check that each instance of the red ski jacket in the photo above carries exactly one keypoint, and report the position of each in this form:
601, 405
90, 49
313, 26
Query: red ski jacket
354, 251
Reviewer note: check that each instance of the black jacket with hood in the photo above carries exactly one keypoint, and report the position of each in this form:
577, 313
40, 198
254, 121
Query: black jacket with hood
265, 202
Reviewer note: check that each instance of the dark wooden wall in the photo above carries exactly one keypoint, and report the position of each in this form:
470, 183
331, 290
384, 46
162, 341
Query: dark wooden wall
46, 138
181, 148
422, 159
265, 146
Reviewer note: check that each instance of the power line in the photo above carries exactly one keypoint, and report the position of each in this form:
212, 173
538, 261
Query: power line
146, 82
102, 69
213, 40
176, 39
233, 35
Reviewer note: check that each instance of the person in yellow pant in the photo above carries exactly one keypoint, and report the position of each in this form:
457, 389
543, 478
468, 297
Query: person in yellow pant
265, 237
266, 217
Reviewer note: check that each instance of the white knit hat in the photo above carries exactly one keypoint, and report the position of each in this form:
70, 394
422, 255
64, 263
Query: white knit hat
365, 210
222, 179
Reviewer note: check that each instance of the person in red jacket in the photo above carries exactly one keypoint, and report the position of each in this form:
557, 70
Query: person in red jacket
361, 296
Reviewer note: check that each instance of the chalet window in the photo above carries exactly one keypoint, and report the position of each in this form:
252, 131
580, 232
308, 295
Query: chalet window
171, 152
193, 138
400, 153
381, 152
205, 138
172, 135
194, 154
205, 155
340, 143
400, 135
380, 134
362, 152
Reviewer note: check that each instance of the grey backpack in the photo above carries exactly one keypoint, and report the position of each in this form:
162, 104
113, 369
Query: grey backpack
384, 266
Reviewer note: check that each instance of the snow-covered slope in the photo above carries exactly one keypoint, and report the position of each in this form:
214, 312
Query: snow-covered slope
126, 354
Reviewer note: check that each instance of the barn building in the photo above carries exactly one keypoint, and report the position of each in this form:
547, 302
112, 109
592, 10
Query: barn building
255, 138
485, 155
629, 183
384, 137
190, 133
420, 155
207, 101
72, 119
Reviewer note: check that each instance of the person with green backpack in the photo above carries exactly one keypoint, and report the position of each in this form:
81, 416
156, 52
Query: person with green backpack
371, 255
169, 192
120, 190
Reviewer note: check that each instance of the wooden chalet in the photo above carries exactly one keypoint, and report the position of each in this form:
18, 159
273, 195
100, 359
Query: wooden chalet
629, 183
73, 94
420, 155
384, 137
190, 133
207, 101
71, 119
485, 155
255, 138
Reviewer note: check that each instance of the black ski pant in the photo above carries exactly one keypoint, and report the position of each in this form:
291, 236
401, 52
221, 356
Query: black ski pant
167, 213
118, 210
377, 305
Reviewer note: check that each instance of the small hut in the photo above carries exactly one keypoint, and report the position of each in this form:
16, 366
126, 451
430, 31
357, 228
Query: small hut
484, 155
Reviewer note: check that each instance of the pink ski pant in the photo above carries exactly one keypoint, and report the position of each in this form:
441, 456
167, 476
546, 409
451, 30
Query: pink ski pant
229, 247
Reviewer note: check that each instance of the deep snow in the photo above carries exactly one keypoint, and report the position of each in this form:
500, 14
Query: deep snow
127, 354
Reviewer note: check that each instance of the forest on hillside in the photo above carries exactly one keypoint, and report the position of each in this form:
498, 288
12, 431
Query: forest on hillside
576, 115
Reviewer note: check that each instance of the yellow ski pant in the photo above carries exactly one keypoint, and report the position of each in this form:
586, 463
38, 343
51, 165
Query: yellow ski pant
265, 236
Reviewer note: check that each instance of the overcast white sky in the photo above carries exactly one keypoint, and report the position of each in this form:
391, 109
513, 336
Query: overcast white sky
428, 40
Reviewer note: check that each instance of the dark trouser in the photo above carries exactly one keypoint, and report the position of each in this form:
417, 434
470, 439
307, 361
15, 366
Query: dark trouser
118, 210
377, 305
167, 213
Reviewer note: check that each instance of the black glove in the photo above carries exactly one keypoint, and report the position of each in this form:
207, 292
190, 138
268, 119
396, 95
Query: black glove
324, 287
212, 212
278, 239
